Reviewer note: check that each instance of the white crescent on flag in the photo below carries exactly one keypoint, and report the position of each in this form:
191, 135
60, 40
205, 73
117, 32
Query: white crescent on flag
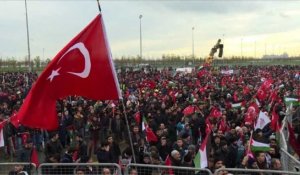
87, 60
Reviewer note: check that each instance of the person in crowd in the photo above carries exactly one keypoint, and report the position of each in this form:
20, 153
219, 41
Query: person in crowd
53, 147
18, 170
114, 149
25, 154
81, 146
104, 154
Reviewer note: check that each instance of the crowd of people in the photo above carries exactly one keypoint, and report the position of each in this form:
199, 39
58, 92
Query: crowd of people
176, 107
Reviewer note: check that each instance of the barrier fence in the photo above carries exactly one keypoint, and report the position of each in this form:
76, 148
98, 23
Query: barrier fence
289, 162
130, 169
163, 170
237, 171
9, 168
79, 168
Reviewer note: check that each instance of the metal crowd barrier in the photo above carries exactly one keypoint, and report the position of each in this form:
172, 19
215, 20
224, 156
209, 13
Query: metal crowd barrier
14, 167
164, 170
289, 162
237, 171
75, 168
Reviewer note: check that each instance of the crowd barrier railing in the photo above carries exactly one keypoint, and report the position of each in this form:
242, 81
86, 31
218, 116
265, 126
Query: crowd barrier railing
238, 171
289, 162
164, 170
9, 168
72, 168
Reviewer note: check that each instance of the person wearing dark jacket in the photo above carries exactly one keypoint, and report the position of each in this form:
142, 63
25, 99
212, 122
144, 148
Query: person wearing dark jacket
164, 148
67, 158
25, 154
53, 146
104, 155
114, 149
81, 146
231, 158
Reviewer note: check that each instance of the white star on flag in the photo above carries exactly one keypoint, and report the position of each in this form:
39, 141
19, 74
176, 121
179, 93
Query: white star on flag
53, 74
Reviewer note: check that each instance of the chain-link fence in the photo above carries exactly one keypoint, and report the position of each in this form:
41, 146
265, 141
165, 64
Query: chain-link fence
237, 171
79, 168
163, 170
17, 168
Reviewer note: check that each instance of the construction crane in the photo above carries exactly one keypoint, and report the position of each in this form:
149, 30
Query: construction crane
213, 50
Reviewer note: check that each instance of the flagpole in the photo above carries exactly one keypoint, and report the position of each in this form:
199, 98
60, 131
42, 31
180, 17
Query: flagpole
28, 44
99, 6
128, 129
124, 111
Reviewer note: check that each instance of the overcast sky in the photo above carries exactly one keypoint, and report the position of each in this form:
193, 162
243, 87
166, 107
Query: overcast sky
166, 26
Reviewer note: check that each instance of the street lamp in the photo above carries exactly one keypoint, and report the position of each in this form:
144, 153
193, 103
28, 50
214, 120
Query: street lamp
255, 49
193, 49
242, 48
141, 55
28, 44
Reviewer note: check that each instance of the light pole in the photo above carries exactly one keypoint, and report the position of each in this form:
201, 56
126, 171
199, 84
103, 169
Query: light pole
242, 48
28, 45
141, 54
255, 49
193, 49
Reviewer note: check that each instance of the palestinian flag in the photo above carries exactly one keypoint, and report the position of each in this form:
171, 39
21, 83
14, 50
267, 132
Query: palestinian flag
200, 159
288, 101
258, 146
236, 105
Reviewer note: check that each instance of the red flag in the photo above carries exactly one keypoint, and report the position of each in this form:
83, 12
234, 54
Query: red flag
35, 157
274, 121
201, 73
14, 119
267, 84
253, 109
150, 136
223, 126
224, 81
75, 156
215, 112
83, 67
261, 94
148, 83
246, 90
168, 162
137, 118
189, 110
235, 96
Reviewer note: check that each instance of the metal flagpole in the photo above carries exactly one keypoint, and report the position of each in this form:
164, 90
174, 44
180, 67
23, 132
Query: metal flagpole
28, 44
128, 129
99, 6
125, 114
